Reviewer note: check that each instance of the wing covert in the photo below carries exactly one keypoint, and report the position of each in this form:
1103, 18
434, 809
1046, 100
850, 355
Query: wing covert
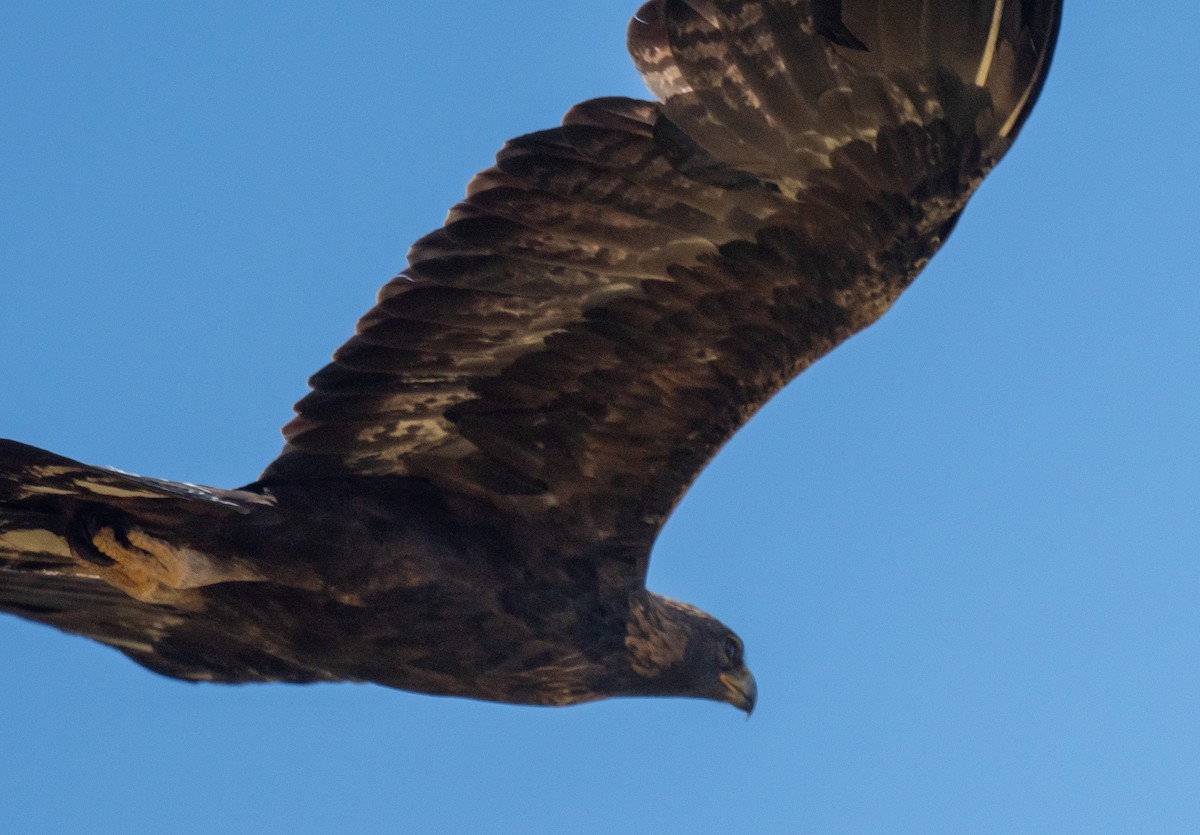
616, 296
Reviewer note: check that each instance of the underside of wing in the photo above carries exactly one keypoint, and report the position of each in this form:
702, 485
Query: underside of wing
616, 296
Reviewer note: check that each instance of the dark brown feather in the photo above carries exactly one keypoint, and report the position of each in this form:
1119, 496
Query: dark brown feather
618, 295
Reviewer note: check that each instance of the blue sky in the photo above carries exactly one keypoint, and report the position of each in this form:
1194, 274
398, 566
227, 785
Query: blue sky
962, 549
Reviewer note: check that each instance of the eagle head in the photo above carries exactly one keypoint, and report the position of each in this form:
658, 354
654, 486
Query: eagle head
677, 650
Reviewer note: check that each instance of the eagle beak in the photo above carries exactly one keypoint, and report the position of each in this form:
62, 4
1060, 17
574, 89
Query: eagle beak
741, 690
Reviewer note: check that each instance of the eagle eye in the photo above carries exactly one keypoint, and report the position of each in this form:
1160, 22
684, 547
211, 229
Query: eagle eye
732, 651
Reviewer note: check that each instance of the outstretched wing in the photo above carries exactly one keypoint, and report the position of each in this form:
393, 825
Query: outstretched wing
616, 296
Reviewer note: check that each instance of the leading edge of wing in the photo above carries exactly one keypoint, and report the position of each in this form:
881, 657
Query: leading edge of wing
616, 296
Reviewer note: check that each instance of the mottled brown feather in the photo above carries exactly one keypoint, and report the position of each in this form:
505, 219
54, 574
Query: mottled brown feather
617, 295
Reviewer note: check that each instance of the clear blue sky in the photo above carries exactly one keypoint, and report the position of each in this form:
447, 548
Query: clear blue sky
964, 550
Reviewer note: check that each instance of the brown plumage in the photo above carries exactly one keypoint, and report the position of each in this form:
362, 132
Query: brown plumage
468, 497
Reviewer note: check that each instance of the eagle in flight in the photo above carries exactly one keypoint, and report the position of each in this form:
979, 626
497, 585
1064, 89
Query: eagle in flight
467, 498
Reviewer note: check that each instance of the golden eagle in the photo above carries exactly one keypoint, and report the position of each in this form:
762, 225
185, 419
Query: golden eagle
468, 496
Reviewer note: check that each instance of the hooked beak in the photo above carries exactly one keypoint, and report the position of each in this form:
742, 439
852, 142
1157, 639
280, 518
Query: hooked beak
741, 690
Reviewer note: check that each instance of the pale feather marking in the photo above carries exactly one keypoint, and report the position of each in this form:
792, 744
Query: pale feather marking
1016, 114
989, 52
35, 541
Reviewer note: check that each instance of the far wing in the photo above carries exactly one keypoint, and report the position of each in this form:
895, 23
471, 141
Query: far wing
42, 581
616, 296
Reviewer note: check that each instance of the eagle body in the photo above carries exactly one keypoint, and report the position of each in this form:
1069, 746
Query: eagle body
468, 496
387, 580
